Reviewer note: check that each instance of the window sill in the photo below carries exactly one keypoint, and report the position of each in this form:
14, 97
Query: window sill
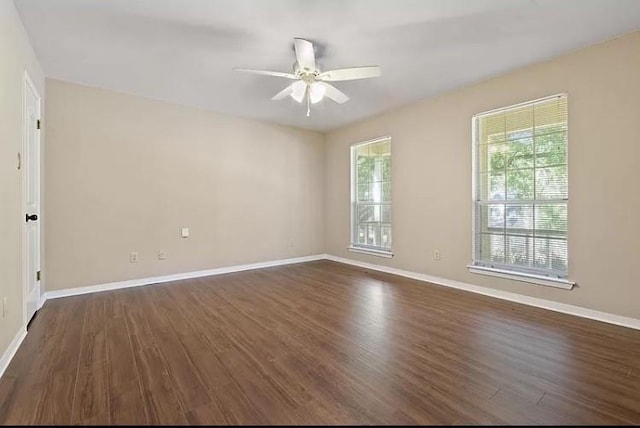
533, 279
371, 252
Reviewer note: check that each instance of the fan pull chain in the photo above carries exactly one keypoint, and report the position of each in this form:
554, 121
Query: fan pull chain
308, 102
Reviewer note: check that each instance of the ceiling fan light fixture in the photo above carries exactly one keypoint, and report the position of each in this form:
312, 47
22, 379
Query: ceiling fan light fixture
317, 92
298, 90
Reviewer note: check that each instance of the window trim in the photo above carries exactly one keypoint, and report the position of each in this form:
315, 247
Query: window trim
548, 279
387, 254
353, 245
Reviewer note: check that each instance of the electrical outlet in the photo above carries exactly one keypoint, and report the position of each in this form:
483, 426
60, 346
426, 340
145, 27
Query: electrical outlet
4, 307
436, 255
133, 257
292, 243
162, 255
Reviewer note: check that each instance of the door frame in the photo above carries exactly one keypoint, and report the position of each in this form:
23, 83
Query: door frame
28, 84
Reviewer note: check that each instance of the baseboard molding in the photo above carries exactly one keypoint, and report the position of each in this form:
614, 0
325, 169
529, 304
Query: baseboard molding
504, 295
43, 298
54, 294
11, 350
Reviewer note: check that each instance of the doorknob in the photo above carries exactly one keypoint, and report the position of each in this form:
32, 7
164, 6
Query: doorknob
32, 217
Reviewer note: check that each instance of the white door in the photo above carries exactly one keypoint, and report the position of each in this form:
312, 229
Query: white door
31, 192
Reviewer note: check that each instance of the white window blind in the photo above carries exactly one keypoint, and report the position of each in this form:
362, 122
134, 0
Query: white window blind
521, 188
371, 195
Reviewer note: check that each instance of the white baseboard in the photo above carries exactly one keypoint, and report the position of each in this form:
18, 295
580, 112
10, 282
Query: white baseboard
54, 294
11, 350
43, 298
504, 295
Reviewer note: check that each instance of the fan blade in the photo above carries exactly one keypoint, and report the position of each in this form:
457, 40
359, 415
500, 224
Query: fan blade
333, 93
267, 73
283, 93
305, 55
352, 73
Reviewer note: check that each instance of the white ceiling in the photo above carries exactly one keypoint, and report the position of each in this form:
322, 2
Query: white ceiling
183, 51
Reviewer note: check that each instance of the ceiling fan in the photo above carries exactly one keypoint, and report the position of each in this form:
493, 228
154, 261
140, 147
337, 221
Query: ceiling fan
311, 83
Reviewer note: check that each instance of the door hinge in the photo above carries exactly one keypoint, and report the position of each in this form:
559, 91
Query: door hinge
38, 276
38, 124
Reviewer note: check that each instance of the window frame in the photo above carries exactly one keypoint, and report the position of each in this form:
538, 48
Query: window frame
354, 246
503, 270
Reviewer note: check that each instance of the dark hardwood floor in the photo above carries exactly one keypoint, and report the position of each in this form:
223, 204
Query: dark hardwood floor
316, 343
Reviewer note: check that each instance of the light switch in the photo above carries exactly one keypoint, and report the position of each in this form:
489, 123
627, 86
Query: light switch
185, 232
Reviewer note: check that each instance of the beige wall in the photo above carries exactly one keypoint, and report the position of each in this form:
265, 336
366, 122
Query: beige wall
16, 56
125, 173
431, 152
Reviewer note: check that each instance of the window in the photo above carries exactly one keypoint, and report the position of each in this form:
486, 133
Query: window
371, 197
521, 189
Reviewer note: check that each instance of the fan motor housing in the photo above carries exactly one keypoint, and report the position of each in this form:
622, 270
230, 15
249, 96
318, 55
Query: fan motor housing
299, 71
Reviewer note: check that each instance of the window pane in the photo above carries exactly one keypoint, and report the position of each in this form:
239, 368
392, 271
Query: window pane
490, 248
385, 214
551, 220
519, 119
380, 148
519, 219
520, 184
368, 213
362, 234
492, 128
362, 151
386, 191
377, 169
364, 195
372, 234
551, 116
551, 149
375, 190
386, 168
365, 213
365, 169
520, 250
385, 232
551, 183
551, 254
496, 157
492, 186
491, 218
520, 153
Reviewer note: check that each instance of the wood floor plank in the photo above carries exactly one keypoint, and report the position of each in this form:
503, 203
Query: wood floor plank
160, 402
236, 407
61, 385
188, 385
91, 394
265, 395
207, 414
316, 343
126, 403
